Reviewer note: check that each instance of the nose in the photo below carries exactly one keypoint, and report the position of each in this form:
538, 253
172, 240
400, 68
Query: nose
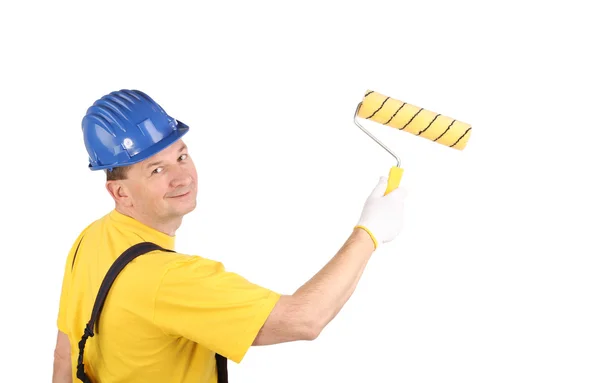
181, 179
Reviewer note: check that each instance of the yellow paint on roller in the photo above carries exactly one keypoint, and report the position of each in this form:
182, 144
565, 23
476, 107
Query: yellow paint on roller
413, 119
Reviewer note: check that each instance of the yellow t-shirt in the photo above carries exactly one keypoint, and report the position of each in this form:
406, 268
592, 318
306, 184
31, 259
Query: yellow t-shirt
166, 314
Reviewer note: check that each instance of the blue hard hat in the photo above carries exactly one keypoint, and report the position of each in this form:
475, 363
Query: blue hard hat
126, 127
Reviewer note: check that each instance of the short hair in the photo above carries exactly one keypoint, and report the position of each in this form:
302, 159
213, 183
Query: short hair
118, 173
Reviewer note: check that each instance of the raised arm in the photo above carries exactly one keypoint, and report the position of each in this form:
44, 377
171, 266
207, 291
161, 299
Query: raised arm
303, 315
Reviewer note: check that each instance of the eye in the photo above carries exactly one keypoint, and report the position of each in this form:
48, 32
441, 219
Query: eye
183, 157
157, 170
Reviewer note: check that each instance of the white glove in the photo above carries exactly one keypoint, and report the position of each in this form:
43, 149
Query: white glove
383, 216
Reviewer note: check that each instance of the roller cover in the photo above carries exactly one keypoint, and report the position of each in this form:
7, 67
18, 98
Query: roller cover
413, 119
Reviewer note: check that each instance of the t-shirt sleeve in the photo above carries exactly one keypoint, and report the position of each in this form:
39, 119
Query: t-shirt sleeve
61, 321
201, 301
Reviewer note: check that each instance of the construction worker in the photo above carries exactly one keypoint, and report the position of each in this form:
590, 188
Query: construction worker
168, 316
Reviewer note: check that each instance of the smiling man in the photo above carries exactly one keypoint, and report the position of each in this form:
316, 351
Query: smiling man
151, 193
168, 316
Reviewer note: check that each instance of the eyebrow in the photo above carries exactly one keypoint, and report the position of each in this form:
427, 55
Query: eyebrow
183, 147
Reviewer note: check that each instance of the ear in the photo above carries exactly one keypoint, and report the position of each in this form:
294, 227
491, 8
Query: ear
119, 192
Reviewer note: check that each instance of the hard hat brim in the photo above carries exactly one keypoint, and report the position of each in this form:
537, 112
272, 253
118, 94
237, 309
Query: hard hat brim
179, 132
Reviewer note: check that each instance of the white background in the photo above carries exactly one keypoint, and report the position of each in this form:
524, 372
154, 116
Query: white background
495, 277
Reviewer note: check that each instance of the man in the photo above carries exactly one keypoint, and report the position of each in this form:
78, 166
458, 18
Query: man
168, 315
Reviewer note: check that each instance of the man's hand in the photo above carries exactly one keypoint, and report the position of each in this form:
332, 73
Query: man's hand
383, 216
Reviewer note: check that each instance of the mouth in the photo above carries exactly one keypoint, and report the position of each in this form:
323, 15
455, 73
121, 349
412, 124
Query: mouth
181, 195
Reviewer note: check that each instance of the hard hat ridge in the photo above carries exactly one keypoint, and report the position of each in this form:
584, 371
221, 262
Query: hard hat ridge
125, 127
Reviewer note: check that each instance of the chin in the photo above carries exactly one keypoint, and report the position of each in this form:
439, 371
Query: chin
190, 209
186, 208
181, 206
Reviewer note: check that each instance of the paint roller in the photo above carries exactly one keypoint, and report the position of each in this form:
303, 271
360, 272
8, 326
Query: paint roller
413, 119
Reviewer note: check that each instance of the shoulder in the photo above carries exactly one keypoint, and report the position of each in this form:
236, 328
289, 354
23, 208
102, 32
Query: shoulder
76, 244
181, 263
171, 276
158, 264
194, 276
86, 232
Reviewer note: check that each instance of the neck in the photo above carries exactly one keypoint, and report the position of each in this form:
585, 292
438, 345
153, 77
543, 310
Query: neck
168, 226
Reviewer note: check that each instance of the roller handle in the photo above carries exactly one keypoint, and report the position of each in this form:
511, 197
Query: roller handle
394, 179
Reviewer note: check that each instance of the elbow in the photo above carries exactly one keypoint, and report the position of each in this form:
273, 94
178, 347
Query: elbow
291, 319
308, 318
312, 328
312, 333
308, 332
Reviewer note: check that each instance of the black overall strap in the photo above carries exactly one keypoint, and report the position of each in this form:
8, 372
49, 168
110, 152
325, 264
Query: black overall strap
221, 369
127, 256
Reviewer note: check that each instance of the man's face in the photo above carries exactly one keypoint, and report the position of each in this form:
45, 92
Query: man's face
165, 185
